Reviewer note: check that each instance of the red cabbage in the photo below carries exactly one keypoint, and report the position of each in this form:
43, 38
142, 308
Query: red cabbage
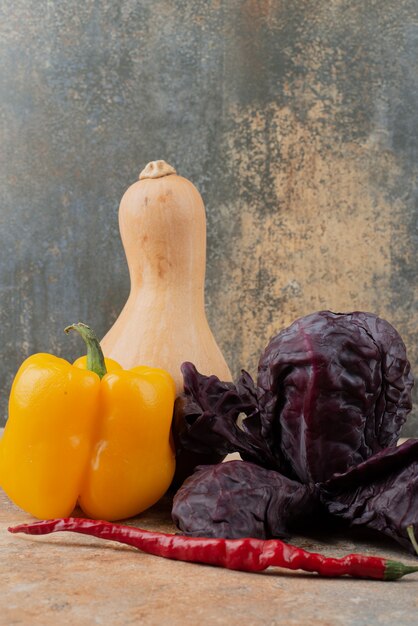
320, 425
333, 390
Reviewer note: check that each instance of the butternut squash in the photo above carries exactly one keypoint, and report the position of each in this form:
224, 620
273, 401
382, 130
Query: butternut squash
163, 323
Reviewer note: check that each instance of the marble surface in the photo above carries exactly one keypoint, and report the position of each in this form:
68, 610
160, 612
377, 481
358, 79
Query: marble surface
72, 579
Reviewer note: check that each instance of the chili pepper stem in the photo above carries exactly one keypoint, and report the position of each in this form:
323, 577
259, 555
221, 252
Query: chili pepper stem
412, 538
95, 358
395, 570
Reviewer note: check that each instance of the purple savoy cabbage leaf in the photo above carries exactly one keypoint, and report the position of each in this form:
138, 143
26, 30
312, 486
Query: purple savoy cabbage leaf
380, 493
207, 414
239, 499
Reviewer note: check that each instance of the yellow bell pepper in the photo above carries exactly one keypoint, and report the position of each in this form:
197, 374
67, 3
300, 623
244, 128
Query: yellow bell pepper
89, 433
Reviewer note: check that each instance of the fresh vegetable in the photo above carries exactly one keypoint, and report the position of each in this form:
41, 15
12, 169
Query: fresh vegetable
236, 499
204, 423
333, 389
380, 493
250, 555
332, 393
163, 323
99, 436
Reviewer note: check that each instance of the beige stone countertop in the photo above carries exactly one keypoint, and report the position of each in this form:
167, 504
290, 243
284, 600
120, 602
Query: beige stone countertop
67, 578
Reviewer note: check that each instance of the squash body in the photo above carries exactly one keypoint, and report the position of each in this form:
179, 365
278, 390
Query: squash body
163, 323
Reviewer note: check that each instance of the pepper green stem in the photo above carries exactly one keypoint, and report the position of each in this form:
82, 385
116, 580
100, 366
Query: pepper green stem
95, 358
395, 570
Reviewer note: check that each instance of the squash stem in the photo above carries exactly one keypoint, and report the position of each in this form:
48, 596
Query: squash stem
95, 358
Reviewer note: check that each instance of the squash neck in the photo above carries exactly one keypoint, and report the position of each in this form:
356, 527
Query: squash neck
163, 295
177, 287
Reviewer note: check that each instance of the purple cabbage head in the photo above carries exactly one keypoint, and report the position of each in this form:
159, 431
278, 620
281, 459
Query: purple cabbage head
333, 389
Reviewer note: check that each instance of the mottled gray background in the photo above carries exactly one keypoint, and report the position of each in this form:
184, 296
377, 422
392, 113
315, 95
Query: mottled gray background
297, 120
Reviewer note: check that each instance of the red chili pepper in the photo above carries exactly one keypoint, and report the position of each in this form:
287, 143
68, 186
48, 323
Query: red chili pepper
250, 555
